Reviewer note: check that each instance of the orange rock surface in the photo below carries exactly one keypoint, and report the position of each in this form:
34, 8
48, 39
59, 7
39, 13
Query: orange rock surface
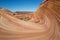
44, 25
23, 15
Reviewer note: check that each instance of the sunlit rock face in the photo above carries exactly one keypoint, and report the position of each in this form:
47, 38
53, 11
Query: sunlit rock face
50, 4
44, 25
48, 13
3, 11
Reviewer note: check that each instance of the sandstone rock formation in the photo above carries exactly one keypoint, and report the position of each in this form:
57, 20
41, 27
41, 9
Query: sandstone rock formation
24, 15
44, 25
20, 15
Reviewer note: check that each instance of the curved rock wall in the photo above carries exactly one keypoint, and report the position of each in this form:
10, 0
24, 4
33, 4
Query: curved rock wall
45, 25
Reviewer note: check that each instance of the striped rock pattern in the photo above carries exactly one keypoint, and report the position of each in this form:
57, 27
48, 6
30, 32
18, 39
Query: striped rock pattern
45, 25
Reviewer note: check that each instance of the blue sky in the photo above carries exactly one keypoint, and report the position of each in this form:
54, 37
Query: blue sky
20, 5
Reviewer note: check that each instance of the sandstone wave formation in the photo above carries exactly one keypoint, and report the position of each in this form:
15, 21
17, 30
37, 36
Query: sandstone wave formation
44, 25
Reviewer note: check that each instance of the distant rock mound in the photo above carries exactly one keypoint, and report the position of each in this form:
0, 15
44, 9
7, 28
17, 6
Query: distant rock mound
24, 15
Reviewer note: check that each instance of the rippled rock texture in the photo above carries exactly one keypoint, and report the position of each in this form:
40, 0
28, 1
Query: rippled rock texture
44, 25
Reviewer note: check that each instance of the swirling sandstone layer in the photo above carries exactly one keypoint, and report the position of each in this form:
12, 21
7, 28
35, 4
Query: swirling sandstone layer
45, 24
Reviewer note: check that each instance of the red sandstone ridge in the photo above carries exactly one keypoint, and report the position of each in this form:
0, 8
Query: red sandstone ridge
47, 27
6, 11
